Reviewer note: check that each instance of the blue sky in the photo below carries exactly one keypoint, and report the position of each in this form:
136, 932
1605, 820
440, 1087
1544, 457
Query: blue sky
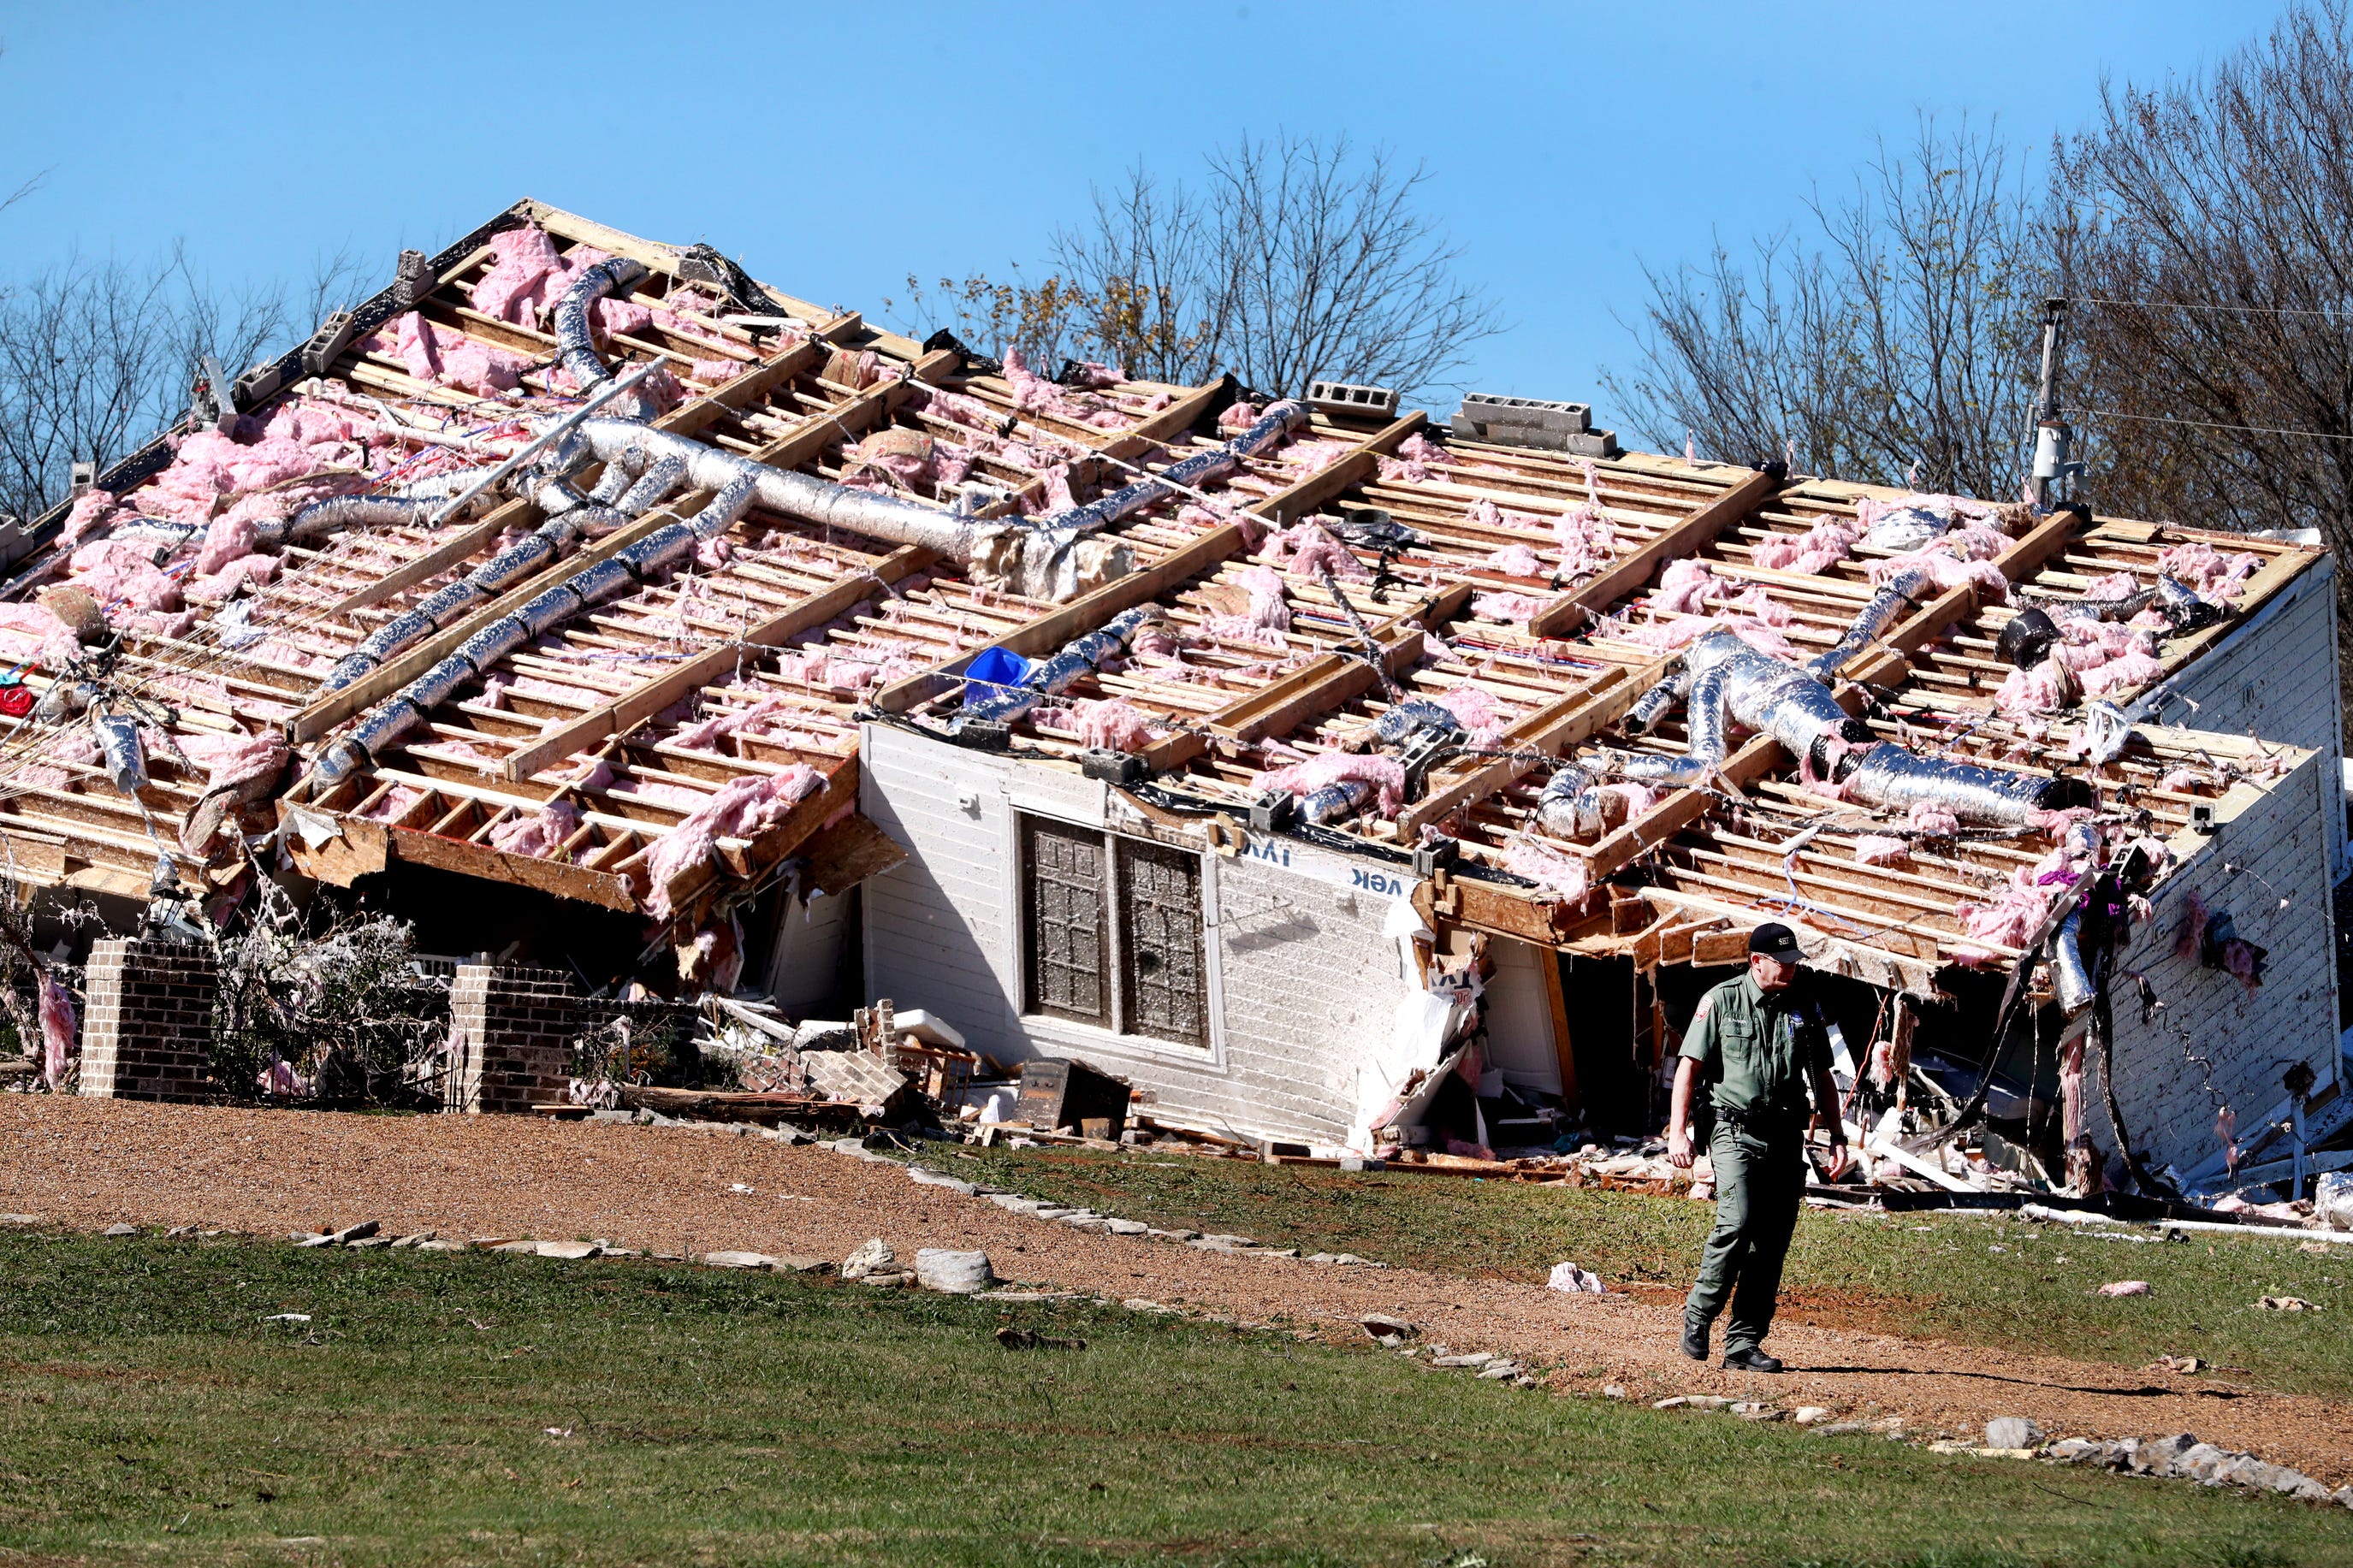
839, 149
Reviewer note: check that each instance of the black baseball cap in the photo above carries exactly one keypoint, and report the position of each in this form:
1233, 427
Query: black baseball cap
1774, 939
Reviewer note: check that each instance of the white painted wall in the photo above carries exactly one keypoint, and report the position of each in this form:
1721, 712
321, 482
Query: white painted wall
805, 963
1519, 1016
1303, 984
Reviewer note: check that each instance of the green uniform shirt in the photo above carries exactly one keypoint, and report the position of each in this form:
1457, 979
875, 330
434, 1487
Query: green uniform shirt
1758, 1053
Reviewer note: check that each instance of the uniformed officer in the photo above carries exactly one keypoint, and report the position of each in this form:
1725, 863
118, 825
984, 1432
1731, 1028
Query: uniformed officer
1758, 1045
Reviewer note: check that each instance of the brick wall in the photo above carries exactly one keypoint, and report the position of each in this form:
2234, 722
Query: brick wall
514, 1030
148, 1020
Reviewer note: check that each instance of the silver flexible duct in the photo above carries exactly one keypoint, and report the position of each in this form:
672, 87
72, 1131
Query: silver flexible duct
1570, 805
411, 503
1074, 660
1280, 419
1893, 779
125, 757
575, 338
1727, 679
1899, 592
1722, 678
655, 553
2070, 978
574, 517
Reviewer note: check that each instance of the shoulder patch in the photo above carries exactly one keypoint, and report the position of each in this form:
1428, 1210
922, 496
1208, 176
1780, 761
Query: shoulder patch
1705, 1002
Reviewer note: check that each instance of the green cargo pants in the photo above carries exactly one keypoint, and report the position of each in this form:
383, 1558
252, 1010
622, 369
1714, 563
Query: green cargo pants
1759, 1184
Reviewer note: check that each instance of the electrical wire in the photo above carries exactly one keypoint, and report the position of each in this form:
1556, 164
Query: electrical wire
2325, 313
2208, 425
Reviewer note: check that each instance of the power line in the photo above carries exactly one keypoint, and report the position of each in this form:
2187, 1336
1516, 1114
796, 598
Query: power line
2208, 425
2183, 305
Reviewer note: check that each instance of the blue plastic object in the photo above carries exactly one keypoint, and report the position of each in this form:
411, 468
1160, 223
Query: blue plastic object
993, 669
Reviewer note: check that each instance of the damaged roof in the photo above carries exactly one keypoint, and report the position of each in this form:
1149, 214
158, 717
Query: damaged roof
1303, 575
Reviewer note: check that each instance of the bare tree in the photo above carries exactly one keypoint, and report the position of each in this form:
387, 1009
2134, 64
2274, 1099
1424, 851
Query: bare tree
96, 356
1897, 340
1291, 259
2211, 252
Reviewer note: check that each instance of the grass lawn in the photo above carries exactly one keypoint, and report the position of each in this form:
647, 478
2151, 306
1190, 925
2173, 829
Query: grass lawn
150, 1411
1996, 1282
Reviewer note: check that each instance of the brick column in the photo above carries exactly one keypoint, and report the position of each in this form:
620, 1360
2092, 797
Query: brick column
511, 1033
149, 1020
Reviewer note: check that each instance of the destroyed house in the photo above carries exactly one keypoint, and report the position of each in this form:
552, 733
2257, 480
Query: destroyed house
1334, 778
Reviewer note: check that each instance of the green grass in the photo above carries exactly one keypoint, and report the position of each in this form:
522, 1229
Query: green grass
148, 1413
1926, 1276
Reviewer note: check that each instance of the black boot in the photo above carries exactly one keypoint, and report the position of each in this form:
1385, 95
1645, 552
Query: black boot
1695, 1339
1750, 1360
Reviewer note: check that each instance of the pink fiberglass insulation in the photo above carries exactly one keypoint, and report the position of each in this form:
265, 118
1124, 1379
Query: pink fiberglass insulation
1308, 547
28, 632
444, 357
1517, 561
61, 1030
1753, 601
713, 372
1314, 454
94, 510
1111, 723
1509, 608
1878, 849
1812, 552
2187, 781
1034, 394
2045, 689
1562, 876
1944, 569
1238, 417
395, 802
1386, 775
2213, 575
1094, 375
2010, 917
1266, 620
228, 539
1683, 630
1683, 588
743, 808
1416, 457
514, 288
1587, 542
539, 835
1934, 821
2128, 671
757, 718
232, 760
2089, 642
1475, 706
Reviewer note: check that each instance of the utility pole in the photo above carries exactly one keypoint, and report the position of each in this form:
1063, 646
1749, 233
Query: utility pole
2052, 438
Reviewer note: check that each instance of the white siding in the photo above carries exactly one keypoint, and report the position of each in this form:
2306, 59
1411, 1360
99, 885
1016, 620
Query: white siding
2274, 679
1302, 982
2271, 851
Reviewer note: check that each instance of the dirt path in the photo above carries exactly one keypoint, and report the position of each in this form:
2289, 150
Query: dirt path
93, 1162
